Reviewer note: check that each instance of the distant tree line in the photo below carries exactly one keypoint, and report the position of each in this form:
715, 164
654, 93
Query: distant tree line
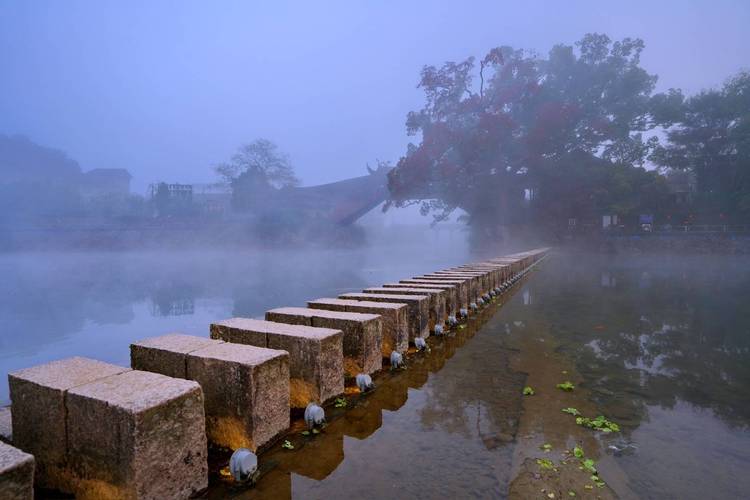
521, 139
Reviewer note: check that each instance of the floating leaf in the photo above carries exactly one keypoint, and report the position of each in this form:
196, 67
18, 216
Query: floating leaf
578, 452
305, 433
588, 486
315, 431
287, 445
546, 447
572, 411
571, 493
528, 391
340, 403
566, 386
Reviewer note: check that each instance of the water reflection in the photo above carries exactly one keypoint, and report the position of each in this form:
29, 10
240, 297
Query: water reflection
664, 347
428, 431
662, 344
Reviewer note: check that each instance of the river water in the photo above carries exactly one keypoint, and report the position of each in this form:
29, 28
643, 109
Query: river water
660, 346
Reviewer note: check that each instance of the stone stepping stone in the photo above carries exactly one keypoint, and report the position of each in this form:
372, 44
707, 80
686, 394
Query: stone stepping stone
394, 316
362, 340
246, 388
16, 474
419, 309
102, 430
316, 355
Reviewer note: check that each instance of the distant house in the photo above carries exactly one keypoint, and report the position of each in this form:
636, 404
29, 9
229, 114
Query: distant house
105, 181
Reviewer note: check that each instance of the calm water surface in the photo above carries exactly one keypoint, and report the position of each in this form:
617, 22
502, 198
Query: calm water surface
662, 346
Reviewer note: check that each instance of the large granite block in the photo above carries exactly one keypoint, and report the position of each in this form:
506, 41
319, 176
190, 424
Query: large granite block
136, 435
448, 293
419, 309
38, 416
473, 282
6, 425
245, 388
395, 318
482, 276
462, 287
487, 272
166, 354
16, 474
514, 263
316, 355
436, 312
363, 335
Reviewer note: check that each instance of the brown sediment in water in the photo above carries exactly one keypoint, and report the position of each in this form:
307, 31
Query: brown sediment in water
543, 422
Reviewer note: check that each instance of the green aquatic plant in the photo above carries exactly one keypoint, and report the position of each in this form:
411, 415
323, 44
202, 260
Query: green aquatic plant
528, 391
287, 445
546, 447
545, 463
340, 403
578, 452
599, 423
589, 466
571, 493
566, 386
305, 433
571, 411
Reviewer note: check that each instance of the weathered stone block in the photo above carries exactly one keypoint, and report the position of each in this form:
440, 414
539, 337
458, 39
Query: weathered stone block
447, 294
363, 335
166, 354
316, 355
6, 425
16, 474
473, 282
462, 286
487, 275
419, 309
38, 415
452, 302
482, 276
245, 388
515, 264
394, 316
436, 311
246, 391
136, 435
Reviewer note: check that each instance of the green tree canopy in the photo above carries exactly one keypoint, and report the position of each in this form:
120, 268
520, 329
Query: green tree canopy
531, 122
708, 134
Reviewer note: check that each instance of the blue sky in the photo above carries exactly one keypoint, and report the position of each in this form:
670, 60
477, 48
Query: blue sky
168, 89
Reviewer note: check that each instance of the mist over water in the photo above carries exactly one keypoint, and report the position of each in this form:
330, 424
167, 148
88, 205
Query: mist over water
167, 165
59, 304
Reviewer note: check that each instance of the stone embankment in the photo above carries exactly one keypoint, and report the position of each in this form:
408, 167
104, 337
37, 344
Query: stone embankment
97, 430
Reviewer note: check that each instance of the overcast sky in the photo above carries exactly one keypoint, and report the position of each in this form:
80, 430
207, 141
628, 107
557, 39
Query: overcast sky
167, 89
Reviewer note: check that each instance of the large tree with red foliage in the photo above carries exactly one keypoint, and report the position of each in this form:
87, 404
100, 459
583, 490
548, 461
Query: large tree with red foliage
519, 121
